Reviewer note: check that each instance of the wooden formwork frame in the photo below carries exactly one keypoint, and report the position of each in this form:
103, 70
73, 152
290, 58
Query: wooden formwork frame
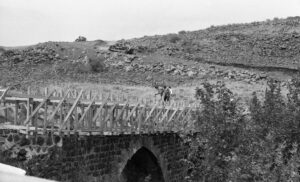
114, 117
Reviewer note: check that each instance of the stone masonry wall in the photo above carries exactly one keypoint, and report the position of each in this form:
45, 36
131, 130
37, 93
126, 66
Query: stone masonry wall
91, 158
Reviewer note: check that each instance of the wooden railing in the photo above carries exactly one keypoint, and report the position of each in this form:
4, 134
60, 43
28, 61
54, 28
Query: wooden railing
69, 112
112, 96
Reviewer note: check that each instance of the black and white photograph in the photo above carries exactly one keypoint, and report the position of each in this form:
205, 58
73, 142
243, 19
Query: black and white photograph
149, 91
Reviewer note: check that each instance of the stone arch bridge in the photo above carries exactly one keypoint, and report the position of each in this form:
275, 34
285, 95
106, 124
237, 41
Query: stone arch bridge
76, 139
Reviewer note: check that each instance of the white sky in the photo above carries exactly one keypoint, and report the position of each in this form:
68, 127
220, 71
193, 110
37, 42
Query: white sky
24, 22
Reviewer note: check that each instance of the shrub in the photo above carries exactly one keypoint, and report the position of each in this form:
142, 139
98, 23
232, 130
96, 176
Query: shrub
95, 64
174, 38
231, 146
182, 32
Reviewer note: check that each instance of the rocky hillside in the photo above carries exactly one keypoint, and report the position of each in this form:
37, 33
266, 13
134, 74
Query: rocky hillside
273, 43
176, 59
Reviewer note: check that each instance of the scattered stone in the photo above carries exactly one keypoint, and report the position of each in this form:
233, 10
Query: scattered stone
191, 73
128, 68
149, 78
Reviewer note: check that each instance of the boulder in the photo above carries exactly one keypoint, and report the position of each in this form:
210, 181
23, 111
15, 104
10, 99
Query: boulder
191, 73
128, 68
81, 39
149, 78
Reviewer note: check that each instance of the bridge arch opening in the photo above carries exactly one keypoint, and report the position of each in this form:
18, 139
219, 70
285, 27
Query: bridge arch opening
142, 167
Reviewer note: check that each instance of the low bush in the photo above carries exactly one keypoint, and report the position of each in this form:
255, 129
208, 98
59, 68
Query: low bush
174, 38
233, 145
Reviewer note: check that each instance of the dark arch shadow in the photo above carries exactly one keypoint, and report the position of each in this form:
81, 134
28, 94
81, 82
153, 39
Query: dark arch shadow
142, 167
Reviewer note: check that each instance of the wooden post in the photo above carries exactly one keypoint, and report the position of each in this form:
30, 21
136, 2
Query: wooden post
57, 108
87, 110
71, 110
171, 117
61, 114
111, 97
46, 91
90, 94
67, 119
130, 114
29, 90
76, 119
39, 106
150, 113
29, 101
16, 112
154, 120
164, 116
139, 118
34, 117
81, 120
45, 116
5, 110
52, 124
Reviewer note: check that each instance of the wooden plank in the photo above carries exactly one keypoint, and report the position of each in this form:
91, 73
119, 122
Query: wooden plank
139, 119
90, 94
165, 114
150, 113
5, 111
82, 112
185, 117
68, 121
7, 107
99, 110
87, 109
16, 112
38, 107
57, 108
120, 116
71, 110
45, 116
170, 119
46, 91
62, 112
179, 115
28, 114
156, 118
129, 116
76, 119
110, 116
131, 112
122, 111
34, 118
29, 90
2, 97
52, 124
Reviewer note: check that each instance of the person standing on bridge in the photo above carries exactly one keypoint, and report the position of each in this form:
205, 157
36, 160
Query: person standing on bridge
167, 94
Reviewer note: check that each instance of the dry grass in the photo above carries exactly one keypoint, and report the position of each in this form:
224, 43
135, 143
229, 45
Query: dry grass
185, 92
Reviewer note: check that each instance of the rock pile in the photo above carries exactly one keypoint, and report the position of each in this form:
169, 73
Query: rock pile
122, 46
39, 54
133, 63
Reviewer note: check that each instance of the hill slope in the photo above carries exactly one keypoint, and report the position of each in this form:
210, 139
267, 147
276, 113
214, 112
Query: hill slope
273, 43
174, 59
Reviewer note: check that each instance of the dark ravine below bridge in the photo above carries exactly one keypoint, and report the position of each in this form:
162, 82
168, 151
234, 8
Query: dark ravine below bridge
101, 141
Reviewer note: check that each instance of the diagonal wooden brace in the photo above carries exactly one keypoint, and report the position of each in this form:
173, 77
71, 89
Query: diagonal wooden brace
72, 109
87, 109
38, 107
58, 107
